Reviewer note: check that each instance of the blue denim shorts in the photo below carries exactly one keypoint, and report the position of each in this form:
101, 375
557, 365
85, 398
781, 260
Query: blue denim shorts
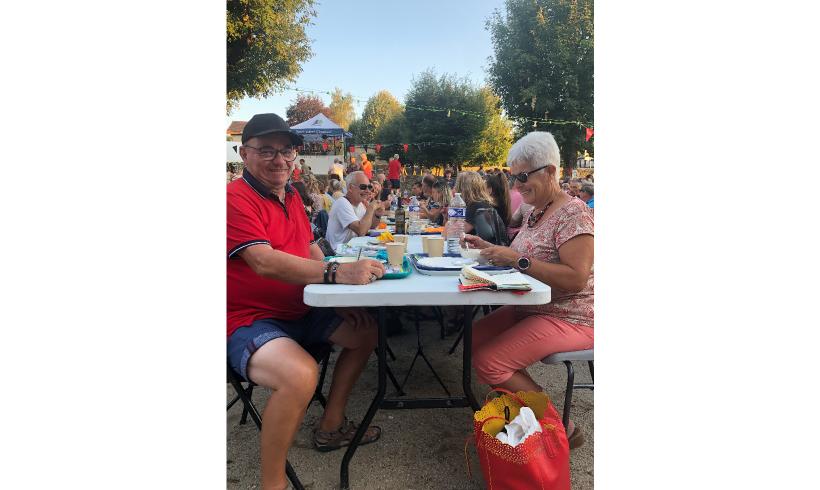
314, 328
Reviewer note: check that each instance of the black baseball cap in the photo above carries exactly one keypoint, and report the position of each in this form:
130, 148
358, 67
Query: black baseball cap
262, 124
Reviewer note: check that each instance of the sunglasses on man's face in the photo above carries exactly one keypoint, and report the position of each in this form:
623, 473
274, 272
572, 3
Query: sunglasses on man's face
524, 176
365, 187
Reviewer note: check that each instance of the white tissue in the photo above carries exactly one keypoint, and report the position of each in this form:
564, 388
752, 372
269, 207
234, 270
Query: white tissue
520, 428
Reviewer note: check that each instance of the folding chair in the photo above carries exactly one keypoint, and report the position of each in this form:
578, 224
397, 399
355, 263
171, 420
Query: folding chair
567, 358
321, 353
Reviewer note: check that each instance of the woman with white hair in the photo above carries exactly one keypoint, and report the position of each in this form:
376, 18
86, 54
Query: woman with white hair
555, 246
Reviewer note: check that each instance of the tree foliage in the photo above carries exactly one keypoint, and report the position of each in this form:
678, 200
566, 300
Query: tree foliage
392, 135
543, 67
266, 44
378, 110
341, 108
447, 136
497, 136
305, 107
355, 128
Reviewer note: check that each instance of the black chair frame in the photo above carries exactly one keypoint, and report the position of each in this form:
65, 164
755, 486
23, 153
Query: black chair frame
248, 408
322, 354
571, 385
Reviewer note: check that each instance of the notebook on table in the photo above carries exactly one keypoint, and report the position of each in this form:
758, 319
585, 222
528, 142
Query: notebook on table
472, 279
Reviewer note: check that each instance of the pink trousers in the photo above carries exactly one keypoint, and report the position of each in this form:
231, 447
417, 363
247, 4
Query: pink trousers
504, 344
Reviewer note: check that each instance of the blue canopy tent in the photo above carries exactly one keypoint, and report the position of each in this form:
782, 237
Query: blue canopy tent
317, 126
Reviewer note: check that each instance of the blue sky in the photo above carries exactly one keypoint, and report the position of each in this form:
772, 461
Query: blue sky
363, 46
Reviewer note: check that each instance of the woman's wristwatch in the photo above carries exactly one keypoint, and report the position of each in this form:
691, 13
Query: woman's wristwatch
523, 263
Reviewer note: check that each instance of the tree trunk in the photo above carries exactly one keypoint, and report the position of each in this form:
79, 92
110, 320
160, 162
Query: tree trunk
569, 155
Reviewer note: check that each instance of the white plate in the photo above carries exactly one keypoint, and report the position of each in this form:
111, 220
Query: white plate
455, 263
428, 272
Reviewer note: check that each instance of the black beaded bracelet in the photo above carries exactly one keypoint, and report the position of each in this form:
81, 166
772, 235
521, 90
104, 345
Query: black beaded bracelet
326, 279
333, 272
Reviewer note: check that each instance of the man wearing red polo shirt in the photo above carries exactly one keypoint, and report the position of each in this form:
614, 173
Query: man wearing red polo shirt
270, 260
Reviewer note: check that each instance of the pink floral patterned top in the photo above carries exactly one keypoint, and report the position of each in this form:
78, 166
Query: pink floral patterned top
542, 243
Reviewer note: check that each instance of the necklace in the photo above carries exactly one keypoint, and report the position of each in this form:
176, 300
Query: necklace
536, 215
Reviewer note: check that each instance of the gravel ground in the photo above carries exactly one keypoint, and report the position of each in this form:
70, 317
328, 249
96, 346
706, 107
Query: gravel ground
419, 449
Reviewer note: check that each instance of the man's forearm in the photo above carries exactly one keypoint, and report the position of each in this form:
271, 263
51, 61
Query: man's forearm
281, 266
364, 223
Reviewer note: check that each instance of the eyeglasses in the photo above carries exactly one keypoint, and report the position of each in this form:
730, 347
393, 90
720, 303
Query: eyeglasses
365, 187
524, 176
288, 153
433, 205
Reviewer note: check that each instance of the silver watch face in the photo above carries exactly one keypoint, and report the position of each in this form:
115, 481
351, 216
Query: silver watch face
523, 263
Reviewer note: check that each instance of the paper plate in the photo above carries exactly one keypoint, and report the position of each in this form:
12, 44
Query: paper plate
445, 262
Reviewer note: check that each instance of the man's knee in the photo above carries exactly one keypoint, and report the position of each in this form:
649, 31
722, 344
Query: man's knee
370, 337
361, 336
301, 376
296, 374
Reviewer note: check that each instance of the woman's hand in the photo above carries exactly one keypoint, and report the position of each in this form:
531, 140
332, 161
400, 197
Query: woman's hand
501, 256
474, 242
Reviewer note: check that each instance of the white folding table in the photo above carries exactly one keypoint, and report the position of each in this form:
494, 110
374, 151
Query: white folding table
415, 290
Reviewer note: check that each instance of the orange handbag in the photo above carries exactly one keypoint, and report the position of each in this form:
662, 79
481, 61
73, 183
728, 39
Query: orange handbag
540, 462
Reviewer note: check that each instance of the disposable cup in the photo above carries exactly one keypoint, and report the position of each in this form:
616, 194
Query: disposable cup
395, 253
435, 246
424, 244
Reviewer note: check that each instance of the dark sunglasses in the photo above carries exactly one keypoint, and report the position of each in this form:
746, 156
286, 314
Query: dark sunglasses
433, 205
524, 176
366, 187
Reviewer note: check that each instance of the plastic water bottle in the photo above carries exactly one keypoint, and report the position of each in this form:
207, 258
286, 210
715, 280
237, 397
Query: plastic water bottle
456, 213
414, 209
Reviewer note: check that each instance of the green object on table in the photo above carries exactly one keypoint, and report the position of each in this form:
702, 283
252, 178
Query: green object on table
406, 269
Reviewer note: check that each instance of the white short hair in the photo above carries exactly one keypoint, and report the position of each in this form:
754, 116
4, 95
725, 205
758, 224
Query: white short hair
536, 148
352, 176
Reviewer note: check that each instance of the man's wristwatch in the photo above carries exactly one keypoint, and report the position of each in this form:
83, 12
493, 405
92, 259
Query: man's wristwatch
523, 263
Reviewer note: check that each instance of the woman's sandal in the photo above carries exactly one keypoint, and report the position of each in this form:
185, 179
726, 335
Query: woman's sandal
576, 439
337, 439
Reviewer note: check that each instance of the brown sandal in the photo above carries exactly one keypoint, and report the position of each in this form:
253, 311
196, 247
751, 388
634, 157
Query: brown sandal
341, 437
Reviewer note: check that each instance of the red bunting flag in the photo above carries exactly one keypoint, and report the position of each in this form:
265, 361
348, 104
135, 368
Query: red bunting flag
324, 145
351, 149
405, 146
590, 132
378, 148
